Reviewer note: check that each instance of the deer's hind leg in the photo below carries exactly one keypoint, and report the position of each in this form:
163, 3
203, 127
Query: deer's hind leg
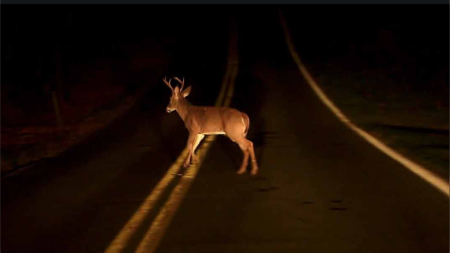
254, 163
244, 144
247, 148
244, 160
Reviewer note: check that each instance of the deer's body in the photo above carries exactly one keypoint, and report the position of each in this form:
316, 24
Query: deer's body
205, 120
212, 120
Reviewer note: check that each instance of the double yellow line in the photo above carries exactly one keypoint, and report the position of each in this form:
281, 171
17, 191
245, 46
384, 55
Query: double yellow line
158, 227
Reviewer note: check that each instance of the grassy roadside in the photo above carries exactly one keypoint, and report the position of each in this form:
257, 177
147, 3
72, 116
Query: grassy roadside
413, 123
24, 146
390, 76
28, 138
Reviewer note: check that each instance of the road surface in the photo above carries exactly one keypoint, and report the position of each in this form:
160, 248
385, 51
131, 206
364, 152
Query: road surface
320, 187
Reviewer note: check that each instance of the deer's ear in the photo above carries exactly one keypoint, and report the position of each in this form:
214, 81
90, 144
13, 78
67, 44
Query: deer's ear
186, 91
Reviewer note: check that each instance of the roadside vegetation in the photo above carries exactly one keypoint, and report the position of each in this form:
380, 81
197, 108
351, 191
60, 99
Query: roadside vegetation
391, 78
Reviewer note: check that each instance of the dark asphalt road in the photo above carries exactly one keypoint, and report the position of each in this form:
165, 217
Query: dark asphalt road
320, 189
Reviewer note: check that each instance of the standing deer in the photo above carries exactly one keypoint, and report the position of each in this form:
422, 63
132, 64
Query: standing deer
205, 120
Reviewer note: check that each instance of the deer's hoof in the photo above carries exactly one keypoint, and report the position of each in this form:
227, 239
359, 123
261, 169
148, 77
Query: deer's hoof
241, 171
254, 168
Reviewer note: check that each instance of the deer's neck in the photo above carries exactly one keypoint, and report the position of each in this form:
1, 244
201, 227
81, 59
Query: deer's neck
183, 108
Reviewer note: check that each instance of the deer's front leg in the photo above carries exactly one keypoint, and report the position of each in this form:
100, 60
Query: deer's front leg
197, 141
190, 145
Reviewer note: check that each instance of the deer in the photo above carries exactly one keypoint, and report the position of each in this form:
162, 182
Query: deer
208, 120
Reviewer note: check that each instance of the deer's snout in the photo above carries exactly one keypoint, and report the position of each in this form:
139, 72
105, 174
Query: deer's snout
169, 110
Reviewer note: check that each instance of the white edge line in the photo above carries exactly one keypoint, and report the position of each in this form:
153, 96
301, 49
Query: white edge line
417, 169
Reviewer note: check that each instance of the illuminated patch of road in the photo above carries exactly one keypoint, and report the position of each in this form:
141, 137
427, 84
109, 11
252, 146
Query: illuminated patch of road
122, 238
159, 226
420, 171
153, 236
151, 239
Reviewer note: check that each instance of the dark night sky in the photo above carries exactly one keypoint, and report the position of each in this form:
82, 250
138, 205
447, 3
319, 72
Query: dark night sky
32, 34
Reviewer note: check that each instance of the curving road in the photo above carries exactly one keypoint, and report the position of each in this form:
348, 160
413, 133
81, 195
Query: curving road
320, 188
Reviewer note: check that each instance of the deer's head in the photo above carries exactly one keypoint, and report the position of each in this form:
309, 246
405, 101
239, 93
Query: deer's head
178, 94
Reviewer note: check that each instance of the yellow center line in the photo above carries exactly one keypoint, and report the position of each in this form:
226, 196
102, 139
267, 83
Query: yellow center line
162, 220
153, 236
430, 177
225, 83
122, 238
159, 226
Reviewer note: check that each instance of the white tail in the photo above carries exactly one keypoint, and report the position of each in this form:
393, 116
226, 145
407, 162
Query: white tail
205, 120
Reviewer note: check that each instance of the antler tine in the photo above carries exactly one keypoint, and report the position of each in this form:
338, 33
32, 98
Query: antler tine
168, 83
182, 82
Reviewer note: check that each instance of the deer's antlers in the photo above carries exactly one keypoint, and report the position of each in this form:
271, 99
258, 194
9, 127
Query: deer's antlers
182, 82
168, 83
